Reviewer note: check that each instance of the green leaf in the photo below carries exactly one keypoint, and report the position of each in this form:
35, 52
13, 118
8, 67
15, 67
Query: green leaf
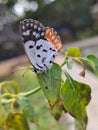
9, 86
15, 87
57, 110
81, 125
28, 109
69, 63
74, 52
17, 121
50, 82
92, 61
3, 116
75, 96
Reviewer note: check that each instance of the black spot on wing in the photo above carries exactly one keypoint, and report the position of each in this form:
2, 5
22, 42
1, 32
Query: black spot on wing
31, 46
50, 62
38, 47
38, 55
52, 49
43, 60
53, 56
39, 66
44, 50
44, 64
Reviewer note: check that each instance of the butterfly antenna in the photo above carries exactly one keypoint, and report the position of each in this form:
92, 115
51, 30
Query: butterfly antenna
21, 68
24, 73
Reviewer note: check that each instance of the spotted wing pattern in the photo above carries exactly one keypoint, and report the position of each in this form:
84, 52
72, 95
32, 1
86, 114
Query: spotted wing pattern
41, 44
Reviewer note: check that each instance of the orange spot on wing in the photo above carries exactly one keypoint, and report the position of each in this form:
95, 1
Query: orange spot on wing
53, 38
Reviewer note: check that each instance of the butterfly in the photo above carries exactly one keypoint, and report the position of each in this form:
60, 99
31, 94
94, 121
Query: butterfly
41, 44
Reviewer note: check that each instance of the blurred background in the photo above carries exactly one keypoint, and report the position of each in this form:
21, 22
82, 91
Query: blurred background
72, 19
76, 21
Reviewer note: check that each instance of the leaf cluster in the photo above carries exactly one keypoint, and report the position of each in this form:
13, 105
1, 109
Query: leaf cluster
64, 94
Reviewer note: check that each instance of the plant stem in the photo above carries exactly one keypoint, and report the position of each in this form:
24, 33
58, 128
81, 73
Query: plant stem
12, 97
30, 92
6, 95
63, 63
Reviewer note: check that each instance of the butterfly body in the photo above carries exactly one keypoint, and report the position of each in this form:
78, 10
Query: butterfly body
41, 44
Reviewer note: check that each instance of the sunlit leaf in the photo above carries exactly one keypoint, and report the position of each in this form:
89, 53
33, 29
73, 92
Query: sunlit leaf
3, 116
92, 60
15, 87
9, 86
75, 96
3, 88
74, 52
28, 109
17, 121
50, 82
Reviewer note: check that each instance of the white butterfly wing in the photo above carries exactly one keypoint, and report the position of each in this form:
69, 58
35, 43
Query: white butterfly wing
41, 44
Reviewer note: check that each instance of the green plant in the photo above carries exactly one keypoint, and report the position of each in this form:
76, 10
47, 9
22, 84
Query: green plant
66, 95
